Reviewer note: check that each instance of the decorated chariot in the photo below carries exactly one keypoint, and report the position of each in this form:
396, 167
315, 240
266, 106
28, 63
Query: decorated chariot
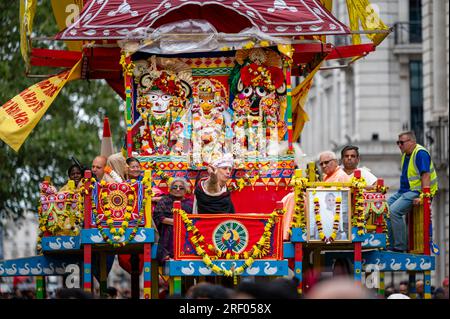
201, 80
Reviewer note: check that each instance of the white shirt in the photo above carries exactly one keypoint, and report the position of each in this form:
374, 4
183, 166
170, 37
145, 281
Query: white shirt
368, 176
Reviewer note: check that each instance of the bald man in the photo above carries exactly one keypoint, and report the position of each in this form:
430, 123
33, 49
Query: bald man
98, 167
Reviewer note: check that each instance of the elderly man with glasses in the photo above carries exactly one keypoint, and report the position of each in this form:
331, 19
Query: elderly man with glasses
417, 172
329, 165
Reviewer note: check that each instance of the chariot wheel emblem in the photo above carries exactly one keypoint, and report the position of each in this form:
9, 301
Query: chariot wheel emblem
230, 236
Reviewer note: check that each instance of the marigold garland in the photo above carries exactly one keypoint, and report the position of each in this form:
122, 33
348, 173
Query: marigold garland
259, 250
358, 218
337, 215
298, 219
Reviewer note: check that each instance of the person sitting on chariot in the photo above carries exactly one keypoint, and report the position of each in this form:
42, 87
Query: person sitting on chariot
98, 167
134, 172
75, 173
163, 215
211, 193
350, 160
115, 168
331, 171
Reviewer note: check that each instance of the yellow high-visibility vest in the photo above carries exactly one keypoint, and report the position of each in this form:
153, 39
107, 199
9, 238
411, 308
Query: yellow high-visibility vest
415, 183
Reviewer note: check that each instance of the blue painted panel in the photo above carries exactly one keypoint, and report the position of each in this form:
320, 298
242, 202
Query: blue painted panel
154, 250
147, 274
288, 250
298, 235
390, 261
38, 265
298, 270
61, 243
374, 241
93, 236
198, 268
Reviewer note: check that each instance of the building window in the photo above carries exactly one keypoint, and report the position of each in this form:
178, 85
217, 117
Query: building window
416, 96
415, 21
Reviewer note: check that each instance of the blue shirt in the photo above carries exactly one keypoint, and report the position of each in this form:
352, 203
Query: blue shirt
423, 165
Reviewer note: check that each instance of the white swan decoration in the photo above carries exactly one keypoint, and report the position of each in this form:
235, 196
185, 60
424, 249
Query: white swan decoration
49, 270
410, 265
204, 270
25, 270
424, 265
96, 238
12, 270
394, 265
140, 237
56, 244
269, 270
188, 270
304, 236
253, 270
36, 270
69, 244
2, 270
379, 265
61, 270
373, 241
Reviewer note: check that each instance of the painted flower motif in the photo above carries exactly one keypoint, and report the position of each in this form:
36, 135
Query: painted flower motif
159, 132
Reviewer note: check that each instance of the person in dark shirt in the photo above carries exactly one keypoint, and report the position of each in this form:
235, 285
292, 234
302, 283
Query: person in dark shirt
163, 216
211, 193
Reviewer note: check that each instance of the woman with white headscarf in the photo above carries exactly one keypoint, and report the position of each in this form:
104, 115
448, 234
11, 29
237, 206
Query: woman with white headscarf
211, 193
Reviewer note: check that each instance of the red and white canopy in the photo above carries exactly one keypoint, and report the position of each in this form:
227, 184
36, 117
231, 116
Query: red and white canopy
115, 19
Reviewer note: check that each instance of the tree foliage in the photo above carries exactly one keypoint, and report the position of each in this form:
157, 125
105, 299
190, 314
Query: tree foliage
71, 127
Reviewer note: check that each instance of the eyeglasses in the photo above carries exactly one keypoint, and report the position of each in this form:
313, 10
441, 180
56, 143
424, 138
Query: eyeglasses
402, 142
325, 163
178, 187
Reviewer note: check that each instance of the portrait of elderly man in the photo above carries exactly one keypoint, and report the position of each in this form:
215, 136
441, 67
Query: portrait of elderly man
211, 193
329, 165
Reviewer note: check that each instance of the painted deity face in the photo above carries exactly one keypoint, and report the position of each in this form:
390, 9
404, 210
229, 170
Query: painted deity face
206, 103
160, 102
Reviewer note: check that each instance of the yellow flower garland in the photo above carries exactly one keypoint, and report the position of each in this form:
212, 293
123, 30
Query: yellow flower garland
358, 219
259, 250
298, 219
337, 215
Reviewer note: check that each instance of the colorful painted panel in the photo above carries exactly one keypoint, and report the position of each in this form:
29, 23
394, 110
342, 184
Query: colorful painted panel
375, 209
117, 199
198, 268
231, 234
58, 212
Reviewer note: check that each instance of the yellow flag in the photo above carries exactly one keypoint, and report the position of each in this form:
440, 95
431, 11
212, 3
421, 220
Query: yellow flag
27, 11
299, 98
362, 11
20, 115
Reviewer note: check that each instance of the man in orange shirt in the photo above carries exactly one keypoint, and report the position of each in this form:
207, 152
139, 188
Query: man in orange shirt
330, 168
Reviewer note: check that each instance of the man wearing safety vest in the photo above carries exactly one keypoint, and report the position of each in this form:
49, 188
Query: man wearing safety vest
417, 172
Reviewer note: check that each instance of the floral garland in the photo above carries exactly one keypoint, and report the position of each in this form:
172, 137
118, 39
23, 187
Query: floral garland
127, 67
298, 218
246, 180
337, 215
358, 219
259, 250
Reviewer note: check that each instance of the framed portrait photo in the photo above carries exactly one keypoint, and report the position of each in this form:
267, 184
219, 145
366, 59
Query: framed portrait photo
328, 215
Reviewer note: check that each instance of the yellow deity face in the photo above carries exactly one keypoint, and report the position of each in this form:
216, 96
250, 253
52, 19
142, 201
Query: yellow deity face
206, 102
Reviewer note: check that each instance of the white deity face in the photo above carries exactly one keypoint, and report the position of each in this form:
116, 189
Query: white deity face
160, 102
